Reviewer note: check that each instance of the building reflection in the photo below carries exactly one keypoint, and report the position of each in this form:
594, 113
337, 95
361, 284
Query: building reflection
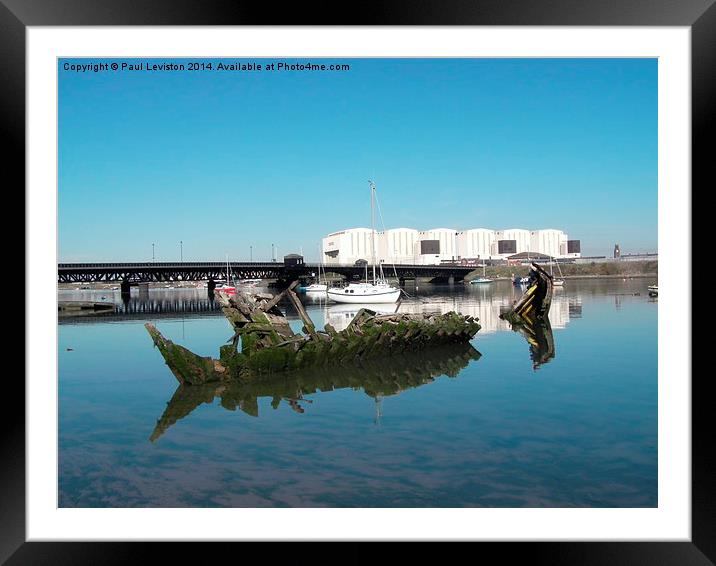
485, 306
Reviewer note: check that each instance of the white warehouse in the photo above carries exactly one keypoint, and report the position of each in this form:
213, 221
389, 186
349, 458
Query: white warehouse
430, 247
549, 242
348, 246
510, 242
436, 245
476, 243
398, 245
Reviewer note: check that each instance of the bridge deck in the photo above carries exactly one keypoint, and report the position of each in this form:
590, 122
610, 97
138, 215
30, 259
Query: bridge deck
215, 270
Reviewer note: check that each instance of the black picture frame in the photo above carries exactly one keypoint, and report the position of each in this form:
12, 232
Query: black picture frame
699, 15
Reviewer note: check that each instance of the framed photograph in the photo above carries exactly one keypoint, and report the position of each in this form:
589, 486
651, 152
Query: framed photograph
394, 279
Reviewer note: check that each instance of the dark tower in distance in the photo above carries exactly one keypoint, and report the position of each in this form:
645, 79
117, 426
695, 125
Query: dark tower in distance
617, 251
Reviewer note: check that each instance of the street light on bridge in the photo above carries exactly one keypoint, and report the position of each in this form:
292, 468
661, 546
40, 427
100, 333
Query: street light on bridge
152, 252
181, 251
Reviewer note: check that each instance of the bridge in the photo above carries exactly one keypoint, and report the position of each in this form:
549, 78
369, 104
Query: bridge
129, 274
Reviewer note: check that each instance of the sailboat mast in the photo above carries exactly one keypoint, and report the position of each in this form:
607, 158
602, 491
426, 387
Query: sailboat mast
372, 226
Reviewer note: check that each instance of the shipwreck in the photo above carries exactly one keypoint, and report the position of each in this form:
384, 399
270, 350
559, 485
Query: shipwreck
530, 316
264, 344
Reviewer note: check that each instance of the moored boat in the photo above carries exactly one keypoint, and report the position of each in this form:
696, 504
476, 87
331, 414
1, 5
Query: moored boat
482, 280
376, 291
227, 286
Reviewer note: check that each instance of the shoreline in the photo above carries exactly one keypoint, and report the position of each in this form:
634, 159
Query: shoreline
161, 286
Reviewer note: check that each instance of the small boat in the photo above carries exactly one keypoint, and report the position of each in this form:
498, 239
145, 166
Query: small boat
318, 287
379, 291
653, 290
559, 282
482, 279
226, 286
376, 291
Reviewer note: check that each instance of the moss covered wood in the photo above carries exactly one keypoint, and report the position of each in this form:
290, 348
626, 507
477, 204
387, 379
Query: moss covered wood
269, 345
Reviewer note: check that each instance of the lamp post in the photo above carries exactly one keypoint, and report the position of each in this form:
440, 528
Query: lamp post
181, 251
251, 253
152, 252
273, 258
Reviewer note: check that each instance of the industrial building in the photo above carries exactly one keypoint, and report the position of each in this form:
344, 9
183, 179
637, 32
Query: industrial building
442, 245
398, 245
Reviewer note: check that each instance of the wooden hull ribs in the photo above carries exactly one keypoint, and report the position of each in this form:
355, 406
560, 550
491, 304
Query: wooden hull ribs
268, 345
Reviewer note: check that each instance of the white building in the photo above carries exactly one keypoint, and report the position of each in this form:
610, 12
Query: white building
437, 245
398, 245
476, 243
550, 242
348, 246
430, 247
511, 241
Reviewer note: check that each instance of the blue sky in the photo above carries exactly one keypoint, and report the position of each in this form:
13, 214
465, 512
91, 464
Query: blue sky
227, 160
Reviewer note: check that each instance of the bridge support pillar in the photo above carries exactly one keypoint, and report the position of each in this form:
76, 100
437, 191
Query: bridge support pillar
144, 289
210, 286
451, 280
125, 288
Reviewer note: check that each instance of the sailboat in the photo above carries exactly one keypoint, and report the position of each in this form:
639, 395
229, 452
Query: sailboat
318, 287
482, 279
376, 291
227, 287
556, 282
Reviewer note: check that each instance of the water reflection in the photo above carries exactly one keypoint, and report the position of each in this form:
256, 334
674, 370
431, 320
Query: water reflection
377, 378
538, 334
486, 305
585, 434
481, 302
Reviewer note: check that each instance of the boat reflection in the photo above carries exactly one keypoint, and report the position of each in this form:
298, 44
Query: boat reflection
538, 333
339, 315
377, 378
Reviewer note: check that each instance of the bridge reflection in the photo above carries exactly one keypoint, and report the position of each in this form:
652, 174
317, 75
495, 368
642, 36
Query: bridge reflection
155, 305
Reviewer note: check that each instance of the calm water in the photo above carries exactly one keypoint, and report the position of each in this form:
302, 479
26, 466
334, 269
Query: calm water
496, 430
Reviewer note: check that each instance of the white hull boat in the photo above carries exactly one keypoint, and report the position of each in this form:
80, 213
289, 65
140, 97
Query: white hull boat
376, 291
484, 279
356, 293
317, 288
